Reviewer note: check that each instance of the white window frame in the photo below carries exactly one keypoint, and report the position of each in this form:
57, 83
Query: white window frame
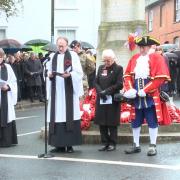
177, 11
177, 41
150, 20
67, 6
67, 29
3, 29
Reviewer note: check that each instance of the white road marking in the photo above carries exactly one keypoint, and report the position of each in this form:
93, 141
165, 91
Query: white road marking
25, 134
157, 166
26, 117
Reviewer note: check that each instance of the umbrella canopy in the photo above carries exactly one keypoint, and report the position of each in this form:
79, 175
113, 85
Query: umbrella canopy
171, 56
177, 52
10, 45
50, 47
167, 47
86, 45
26, 48
37, 42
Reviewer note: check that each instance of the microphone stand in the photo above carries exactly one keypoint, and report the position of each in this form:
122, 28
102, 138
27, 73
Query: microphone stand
45, 154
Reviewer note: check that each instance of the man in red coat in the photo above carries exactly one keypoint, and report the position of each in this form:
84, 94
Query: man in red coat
145, 73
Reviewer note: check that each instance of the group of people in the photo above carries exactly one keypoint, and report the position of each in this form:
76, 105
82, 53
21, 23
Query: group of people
145, 73
28, 69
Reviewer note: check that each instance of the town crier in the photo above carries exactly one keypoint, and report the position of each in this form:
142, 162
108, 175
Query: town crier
145, 73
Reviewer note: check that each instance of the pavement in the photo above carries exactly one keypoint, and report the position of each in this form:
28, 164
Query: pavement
21, 162
166, 133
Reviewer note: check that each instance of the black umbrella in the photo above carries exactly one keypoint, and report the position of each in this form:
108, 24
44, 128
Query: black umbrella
177, 52
26, 48
37, 42
50, 47
171, 55
10, 45
86, 45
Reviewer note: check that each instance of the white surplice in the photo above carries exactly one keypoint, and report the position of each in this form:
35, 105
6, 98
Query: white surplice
77, 75
12, 94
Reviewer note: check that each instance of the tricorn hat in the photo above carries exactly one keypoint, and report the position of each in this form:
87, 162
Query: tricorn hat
146, 41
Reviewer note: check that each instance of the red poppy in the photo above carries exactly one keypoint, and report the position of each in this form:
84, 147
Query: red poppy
68, 63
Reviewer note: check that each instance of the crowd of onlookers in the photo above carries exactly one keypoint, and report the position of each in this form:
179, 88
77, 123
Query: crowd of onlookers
28, 68
173, 62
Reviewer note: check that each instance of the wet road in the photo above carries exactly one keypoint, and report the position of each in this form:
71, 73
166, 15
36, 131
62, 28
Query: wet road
21, 162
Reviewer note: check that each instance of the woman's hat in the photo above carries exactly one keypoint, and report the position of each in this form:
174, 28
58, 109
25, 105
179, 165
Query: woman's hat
146, 41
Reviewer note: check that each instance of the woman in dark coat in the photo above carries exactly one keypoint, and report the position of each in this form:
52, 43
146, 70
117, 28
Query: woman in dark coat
108, 82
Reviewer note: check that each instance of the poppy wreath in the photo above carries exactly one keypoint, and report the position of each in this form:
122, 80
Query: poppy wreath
126, 111
174, 113
87, 107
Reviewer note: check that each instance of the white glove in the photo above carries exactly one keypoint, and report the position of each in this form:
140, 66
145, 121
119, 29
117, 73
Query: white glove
130, 94
141, 93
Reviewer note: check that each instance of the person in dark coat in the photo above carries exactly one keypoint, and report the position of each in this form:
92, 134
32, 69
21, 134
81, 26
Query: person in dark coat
33, 69
107, 83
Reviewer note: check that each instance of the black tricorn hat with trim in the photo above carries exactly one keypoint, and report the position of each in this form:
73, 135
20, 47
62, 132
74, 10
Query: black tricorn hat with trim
146, 41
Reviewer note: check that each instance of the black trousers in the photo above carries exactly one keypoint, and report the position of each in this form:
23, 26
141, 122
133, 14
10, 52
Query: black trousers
108, 135
32, 90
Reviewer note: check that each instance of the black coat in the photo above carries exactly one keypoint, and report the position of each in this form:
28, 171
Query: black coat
33, 66
108, 114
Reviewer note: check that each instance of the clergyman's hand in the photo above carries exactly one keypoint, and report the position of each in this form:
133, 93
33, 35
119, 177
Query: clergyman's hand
66, 75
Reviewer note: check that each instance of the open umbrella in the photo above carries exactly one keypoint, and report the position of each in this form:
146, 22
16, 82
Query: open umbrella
37, 42
50, 47
10, 45
177, 52
167, 47
26, 48
86, 45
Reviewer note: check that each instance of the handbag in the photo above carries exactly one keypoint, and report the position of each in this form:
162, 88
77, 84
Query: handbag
164, 96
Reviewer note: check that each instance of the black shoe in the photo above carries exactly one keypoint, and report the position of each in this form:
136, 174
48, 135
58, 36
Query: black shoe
32, 100
111, 148
103, 148
152, 150
70, 149
58, 149
133, 149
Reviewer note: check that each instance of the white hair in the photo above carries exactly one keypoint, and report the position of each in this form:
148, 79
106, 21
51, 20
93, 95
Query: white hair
108, 53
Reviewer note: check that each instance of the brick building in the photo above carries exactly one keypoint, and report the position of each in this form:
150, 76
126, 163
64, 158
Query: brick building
163, 20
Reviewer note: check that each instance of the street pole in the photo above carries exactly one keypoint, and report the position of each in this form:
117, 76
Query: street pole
46, 154
52, 21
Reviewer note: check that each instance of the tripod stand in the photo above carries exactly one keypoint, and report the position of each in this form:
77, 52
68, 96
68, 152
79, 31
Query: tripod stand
45, 154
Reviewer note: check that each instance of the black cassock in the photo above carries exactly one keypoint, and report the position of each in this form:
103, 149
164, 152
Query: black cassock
8, 134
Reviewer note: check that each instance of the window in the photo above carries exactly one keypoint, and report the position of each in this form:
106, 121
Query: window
177, 11
176, 41
2, 34
66, 4
150, 21
161, 13
68, 33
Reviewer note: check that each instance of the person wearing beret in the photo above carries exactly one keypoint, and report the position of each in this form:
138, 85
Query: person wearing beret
108, 82
145, 73
87, 64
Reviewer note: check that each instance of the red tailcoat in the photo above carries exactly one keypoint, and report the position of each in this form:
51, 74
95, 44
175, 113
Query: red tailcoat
159, 73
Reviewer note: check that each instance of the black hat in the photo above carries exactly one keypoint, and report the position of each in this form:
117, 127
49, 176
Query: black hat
146, 41
74, 43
